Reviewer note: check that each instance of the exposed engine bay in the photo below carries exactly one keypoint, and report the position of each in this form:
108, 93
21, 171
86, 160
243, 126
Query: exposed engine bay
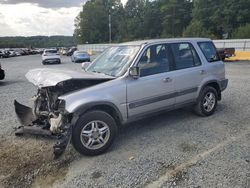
48, 115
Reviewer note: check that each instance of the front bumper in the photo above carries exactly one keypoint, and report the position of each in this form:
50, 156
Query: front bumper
32, 125
223, 84
2, 74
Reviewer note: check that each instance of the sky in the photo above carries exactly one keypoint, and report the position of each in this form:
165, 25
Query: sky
39, 17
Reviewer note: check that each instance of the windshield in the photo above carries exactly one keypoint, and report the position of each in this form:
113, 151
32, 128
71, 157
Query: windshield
114, 61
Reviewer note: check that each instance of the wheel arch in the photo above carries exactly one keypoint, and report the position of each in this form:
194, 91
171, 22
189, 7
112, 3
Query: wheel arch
215, 84
107, 107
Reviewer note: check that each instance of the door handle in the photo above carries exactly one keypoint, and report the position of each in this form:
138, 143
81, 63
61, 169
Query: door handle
202, 71
167, 80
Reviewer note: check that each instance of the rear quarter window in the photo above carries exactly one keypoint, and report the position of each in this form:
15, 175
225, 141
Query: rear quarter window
209, 51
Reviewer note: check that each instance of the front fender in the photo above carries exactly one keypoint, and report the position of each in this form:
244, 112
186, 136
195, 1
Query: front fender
81, 109
111, 94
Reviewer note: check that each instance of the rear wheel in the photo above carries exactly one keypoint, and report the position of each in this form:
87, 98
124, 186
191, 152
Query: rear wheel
94, 133
207, 102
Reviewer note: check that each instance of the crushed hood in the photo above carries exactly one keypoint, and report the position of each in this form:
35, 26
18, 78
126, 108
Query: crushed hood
45, 77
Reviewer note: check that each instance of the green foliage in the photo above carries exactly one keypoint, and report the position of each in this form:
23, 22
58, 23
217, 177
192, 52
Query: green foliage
195, 29
142, 19
242, 32
36, 42
134, 12
92, 22
221, 16
176, 16
152, 20
139, 19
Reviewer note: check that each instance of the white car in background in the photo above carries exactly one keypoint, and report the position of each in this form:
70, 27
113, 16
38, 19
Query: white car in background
12, 53
50, 56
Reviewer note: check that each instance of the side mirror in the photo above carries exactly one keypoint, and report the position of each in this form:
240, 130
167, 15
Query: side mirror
85, 65
134, 72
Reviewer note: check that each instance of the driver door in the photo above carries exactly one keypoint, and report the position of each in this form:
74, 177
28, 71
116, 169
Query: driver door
154, 90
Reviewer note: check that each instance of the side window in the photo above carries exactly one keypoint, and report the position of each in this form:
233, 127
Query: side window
185, 56
197, 60
209, 51
156, 59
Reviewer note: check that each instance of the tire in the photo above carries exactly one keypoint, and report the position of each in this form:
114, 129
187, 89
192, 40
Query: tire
203, 107
85, 123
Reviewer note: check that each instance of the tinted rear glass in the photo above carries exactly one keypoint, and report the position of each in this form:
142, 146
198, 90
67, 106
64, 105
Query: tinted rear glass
81, 53
209, 51
51, 51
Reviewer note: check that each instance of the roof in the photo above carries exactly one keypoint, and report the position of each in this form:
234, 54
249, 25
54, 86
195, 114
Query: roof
141, 42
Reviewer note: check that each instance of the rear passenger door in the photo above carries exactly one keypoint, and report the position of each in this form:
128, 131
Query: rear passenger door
215, 68
189, 72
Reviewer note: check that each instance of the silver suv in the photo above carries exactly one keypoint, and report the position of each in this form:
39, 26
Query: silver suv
125, 83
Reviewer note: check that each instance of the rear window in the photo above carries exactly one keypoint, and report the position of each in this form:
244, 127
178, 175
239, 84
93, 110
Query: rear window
82, 53
209, 51
51, 51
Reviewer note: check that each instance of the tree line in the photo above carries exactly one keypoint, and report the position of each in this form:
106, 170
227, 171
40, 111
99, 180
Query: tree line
143, 19
37, 42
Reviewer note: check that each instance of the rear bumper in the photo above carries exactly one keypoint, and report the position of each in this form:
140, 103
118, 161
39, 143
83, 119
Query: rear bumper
223, 84
2, 74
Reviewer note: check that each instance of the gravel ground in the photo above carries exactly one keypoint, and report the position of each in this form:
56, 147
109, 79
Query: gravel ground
174, 149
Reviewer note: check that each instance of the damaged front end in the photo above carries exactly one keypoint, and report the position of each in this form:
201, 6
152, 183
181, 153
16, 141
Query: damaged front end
47, 118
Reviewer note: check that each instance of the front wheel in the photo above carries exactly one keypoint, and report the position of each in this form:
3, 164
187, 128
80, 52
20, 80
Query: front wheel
207, 102
94, 133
